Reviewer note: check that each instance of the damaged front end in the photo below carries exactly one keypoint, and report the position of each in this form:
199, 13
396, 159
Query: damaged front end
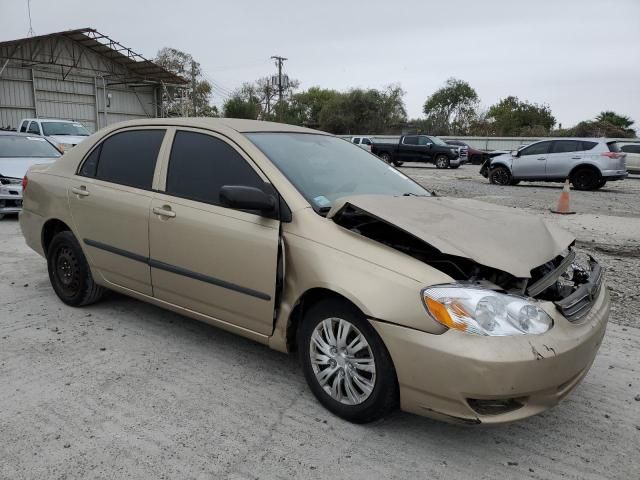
570, 280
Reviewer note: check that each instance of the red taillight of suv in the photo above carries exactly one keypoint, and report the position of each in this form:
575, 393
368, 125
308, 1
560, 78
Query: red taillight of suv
25, 181
611, 154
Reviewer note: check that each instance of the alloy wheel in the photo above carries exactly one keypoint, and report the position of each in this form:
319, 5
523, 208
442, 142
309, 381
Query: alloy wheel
342, 361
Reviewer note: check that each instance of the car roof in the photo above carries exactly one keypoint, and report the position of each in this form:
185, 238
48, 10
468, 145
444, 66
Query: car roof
49, 120
237, 124
17, 134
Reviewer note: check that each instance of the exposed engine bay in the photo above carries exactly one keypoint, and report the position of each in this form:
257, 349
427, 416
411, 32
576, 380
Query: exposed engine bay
566, 279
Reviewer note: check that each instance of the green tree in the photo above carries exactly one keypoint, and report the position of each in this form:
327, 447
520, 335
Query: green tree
239, 107
452, 108
620, 121
514, 117
192, 101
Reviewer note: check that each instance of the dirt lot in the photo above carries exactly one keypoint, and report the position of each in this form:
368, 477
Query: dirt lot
126, 390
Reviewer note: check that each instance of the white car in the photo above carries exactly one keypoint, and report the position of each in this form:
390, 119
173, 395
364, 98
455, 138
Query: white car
18, 152
363, 142
633, 156
64, 133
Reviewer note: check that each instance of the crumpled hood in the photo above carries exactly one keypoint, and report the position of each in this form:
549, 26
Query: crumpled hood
69, 139
494, 236
17, 167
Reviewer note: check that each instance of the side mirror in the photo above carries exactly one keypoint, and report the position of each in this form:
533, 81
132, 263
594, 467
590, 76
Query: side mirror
247, 198
429, 145
515, 153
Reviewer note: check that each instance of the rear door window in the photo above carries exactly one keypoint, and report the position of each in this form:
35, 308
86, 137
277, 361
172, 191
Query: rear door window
564, 146
540, 148
126, 158
34, 128
586, 145
413, 140
200, 165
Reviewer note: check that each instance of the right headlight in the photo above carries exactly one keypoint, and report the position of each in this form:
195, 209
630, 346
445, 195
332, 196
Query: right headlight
484, 312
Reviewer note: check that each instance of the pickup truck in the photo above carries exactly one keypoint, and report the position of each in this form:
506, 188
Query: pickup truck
418, 148
63, 133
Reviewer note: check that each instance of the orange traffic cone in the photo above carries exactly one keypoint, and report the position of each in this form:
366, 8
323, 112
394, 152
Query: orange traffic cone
563, 201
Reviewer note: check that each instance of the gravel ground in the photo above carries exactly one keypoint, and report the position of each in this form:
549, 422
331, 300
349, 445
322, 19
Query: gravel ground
123, 389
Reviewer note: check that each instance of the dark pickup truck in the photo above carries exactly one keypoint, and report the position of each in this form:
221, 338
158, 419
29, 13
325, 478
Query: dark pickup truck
418, 148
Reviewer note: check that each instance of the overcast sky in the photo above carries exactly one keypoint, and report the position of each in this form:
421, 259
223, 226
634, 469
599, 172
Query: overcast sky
578, 56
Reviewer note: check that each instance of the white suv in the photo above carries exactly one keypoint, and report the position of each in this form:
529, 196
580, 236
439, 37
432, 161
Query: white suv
632, 150
588, 163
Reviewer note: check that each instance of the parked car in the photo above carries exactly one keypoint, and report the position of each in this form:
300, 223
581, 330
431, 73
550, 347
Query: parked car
64, 133
588, 163
418, 148
363, 142
632, 151
18, 152
475, 156
306, 243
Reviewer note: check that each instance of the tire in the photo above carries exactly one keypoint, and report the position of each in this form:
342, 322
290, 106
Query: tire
441, 161
397, 163
585, 179
515, 182
500, 176
1, 216
451, 166
386, 157
358, 395
601, 184
69, 272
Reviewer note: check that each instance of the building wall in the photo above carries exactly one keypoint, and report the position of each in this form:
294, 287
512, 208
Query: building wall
79, 94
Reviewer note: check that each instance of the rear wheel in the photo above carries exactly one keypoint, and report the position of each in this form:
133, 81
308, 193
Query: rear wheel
398, 163
345, 362
500, 176
601, 184
585, 179
441, 161
386, 157
69, 272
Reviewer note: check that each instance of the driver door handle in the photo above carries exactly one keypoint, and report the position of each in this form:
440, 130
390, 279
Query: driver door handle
80, 191
164, 211
542, 158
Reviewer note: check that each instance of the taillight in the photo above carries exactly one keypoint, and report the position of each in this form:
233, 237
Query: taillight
610, 154
25, 181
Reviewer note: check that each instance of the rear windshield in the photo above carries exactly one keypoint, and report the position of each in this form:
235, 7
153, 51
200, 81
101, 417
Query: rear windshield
64, 128
12, 146
613, 146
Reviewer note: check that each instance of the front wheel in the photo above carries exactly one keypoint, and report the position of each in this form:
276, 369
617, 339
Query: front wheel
345, 363
69, 272
442, 161
500, 176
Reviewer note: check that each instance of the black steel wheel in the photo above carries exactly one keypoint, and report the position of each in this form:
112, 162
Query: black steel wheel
69, 272
500, 176
585, 179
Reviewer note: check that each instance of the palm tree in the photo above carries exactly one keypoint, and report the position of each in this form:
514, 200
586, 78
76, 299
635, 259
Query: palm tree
613, 118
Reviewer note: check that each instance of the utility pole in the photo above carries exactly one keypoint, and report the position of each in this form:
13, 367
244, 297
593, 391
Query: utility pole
193, 87
279, 60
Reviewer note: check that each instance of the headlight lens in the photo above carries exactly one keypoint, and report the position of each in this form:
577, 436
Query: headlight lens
485, 312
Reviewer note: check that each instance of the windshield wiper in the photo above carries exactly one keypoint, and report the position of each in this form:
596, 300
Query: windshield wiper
411, 194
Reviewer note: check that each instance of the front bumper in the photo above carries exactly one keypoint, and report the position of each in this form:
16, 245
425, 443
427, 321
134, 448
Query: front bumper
442, 376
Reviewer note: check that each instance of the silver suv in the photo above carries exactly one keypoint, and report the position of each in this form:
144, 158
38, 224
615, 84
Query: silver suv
587, 162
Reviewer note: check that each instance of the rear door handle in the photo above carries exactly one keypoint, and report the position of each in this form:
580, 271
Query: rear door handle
576, 158
164, 211
542, 158
80, 191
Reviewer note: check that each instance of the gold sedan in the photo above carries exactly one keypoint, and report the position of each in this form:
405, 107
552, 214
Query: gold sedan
449, 308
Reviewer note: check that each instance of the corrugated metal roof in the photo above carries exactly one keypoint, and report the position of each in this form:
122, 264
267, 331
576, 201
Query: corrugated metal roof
107, 47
